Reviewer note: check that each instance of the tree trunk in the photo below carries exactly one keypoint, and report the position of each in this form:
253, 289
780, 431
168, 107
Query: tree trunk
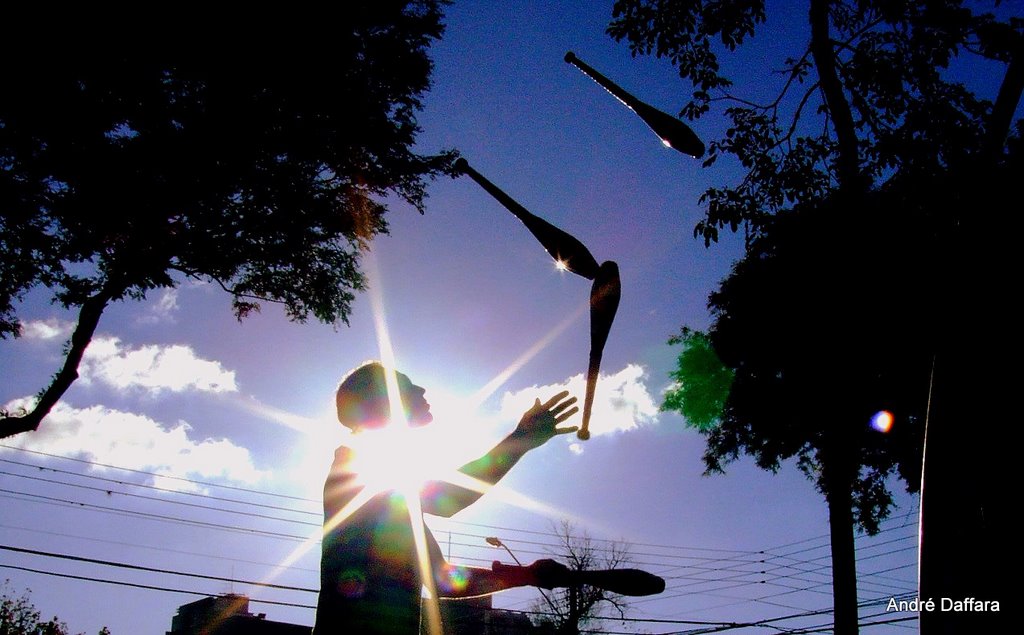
840, 468
844, 557
824, 54
1005, 105
88, 319
572, 625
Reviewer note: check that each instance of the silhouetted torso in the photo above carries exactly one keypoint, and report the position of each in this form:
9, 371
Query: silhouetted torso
369, 580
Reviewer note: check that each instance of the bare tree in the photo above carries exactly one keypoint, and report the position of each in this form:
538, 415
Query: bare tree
567, 610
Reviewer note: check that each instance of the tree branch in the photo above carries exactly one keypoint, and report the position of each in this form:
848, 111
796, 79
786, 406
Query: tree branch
847, 44
794, 72
739, 100
88, 319
1006, 104
796, 116
823, 52
226, 287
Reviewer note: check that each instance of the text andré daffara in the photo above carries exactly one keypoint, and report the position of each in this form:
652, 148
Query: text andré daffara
964, 605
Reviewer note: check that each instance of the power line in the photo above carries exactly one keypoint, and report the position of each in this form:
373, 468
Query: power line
760, 599
238, 512
111, 492
766, 552
719, 625
122, 543
136, 567
151, 516
143, 586
770, 621
160, 476
163, 489
550, 534
734, 564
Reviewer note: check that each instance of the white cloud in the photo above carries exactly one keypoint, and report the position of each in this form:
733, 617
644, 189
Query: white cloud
135, 441
156, 368
621, 401
46, 329
163, 310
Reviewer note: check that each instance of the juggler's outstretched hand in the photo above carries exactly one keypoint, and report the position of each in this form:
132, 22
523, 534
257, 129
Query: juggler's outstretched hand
540, 423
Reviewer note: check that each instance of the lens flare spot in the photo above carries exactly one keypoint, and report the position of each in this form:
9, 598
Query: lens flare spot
882, 421
666, 143
457, 580
561, 265
352, 583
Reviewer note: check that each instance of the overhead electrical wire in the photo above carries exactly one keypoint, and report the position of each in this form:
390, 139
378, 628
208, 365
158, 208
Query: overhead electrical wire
122, 544
729, 561
766, 552
273, 494
110, 492
161, 476
167, 490
136, 585
148, 515
716, 626
136, 567
737, 561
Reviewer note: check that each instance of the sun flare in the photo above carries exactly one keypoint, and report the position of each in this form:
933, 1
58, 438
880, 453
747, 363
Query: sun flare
404, 458
401, 458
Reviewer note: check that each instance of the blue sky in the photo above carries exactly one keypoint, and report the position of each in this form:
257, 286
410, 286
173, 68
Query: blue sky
175, 386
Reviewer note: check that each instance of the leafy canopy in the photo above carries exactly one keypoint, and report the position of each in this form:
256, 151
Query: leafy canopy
129, 160
18, 616
854, 174
702, 382
891, 94
822, 335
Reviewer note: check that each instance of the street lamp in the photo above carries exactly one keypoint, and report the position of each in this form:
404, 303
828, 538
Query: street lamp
494, 541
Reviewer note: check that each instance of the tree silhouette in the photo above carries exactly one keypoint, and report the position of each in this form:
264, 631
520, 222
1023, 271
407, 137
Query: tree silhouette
868, 95
131, 161
810, 368
18, 616
570, 609
859, 177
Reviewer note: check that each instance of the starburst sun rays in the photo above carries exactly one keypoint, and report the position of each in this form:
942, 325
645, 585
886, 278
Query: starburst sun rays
404, 459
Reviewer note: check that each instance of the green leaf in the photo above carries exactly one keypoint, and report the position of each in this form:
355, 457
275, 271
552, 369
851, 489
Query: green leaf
702, 382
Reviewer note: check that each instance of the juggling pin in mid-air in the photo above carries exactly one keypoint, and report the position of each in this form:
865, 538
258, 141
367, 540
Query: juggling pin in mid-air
604, 302
575, 257
569, 252
672, 132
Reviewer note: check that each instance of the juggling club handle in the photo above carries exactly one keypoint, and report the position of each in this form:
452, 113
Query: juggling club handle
633, 582
604, 302
560, 245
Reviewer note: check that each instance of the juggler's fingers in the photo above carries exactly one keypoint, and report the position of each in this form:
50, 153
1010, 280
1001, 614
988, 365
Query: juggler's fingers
551, 402
566, 430
565, 415
562, 406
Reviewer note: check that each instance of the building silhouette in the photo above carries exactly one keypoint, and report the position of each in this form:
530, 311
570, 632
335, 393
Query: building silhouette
475, 616
228, 615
